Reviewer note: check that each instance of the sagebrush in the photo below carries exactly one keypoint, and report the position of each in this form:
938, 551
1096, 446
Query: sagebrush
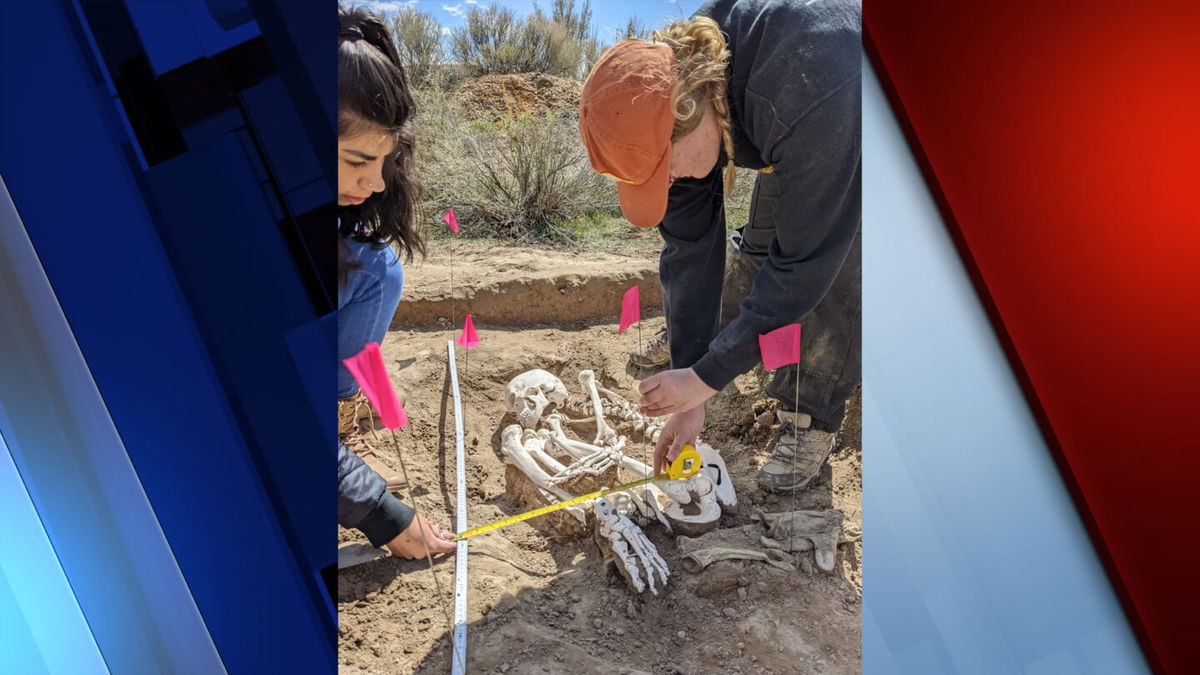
519, 178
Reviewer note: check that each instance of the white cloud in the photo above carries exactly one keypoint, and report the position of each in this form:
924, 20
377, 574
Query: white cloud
445, 30
388, 6
455, 10
471, 2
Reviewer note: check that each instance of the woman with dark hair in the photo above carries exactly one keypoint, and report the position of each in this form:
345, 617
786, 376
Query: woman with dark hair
376, 218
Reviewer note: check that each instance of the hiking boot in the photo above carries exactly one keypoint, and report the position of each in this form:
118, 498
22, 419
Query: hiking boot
357, 443
656, 353
351, 411
796, 460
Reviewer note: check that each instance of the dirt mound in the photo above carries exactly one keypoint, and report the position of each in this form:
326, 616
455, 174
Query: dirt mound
520, 286
493, 97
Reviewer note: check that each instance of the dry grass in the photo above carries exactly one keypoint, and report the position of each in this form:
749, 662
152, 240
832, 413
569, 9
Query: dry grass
526, 180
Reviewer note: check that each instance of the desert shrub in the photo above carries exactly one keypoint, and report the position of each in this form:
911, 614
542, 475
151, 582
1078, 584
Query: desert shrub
419, 42
495, 41
578, 25
523, 178
634, 28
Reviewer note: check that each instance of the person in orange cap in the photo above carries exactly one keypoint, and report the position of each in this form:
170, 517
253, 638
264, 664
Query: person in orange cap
772, 86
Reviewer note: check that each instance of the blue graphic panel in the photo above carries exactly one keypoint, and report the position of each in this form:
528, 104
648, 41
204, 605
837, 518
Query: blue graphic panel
41, 627
162, 350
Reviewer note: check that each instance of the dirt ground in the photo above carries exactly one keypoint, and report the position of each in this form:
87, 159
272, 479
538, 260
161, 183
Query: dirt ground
494, 97
539, 603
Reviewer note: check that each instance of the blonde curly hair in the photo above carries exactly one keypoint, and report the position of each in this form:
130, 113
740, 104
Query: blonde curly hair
701, 57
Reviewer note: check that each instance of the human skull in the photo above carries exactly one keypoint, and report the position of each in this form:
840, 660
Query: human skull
529, 393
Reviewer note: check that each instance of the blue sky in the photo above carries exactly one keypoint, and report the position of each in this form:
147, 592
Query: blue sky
607, 15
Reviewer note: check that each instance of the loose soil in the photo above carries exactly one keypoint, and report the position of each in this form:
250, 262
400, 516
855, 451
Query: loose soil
494, 97
519, 286
543, 603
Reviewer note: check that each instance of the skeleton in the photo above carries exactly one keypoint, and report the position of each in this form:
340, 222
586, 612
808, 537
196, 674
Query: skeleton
521, 450
626, 547
604, 433
588, 459
615, 405
558, 465
528, 394
714, 467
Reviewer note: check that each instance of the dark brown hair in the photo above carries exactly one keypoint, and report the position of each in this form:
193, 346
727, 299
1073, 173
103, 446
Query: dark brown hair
373, 94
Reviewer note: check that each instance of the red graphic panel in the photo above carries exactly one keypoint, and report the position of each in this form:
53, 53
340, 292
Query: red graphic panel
1062, 144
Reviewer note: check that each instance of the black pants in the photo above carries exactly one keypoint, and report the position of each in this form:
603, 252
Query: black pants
830, 356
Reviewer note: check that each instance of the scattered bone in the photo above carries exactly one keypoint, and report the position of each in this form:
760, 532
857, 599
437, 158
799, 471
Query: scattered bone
697, 560
528, 394
795, 531
626, 547
734, 543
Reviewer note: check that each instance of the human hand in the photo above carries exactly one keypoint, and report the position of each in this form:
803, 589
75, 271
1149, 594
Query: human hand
410, 545
680, 430
673, 391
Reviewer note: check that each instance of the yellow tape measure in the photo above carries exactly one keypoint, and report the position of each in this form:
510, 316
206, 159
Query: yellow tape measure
686, 464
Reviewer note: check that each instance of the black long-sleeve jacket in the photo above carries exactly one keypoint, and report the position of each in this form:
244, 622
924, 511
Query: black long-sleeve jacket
795, 105
364, 502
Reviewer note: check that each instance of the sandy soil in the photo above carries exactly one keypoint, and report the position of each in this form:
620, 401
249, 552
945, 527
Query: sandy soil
542, 603
536, 285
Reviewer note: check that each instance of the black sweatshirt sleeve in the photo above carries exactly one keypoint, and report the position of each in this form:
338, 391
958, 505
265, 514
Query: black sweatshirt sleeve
364, 502
818, 211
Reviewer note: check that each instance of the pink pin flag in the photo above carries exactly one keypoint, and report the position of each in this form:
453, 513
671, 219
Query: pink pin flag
368, 370
469, 338
451, 221
631, 309
780, 347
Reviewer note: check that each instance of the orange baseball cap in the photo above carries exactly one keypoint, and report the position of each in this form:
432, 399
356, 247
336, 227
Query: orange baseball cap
625, 120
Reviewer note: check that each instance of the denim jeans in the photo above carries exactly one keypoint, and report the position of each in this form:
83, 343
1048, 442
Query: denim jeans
366, 304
